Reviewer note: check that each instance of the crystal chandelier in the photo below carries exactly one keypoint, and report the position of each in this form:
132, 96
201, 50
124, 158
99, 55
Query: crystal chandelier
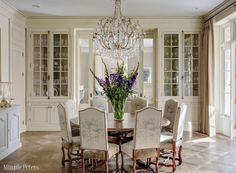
117, 37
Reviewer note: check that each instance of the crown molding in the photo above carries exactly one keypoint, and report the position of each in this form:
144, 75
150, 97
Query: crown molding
219, 9
100, 17
8, 4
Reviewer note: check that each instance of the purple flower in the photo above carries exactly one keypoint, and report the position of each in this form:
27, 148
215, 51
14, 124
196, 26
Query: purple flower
101, 82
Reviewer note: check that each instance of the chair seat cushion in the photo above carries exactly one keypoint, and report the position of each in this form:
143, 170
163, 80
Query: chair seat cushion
168, 144
96, 154
166, 136
140, 154
75, 143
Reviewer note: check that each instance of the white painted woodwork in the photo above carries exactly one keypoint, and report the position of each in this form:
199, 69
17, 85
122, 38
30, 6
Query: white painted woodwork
192, 102
42, 110
9, 130
3, 132
12, 27
43, 117
4, 52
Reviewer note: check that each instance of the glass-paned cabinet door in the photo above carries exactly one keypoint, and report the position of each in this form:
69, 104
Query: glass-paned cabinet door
40, 64
191, 64
60, 64
171, 64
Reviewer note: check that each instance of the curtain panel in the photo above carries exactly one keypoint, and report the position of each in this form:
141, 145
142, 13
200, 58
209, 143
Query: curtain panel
207, 115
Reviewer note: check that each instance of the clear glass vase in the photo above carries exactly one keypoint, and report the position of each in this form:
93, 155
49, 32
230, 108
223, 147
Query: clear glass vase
118, 109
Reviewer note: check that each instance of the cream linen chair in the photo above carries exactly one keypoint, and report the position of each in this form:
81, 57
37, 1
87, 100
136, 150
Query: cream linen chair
137, 104
170, 146
68, 142
170, 111
146, 142
100, 103
72, 113
94, 137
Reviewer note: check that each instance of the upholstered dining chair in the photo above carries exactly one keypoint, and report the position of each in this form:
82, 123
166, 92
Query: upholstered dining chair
170, 111
72, 113
137, 104
69, 143
171, 146
94, 137
146, 143
100, 103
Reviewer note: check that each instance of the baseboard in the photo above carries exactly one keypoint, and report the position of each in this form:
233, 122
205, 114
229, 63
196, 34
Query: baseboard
10, 150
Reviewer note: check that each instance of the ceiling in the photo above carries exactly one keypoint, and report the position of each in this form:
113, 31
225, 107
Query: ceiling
183, 8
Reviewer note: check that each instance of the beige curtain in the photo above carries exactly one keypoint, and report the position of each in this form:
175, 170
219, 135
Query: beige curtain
207, 79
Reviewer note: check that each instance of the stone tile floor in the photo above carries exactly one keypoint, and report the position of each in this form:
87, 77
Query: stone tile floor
201, 154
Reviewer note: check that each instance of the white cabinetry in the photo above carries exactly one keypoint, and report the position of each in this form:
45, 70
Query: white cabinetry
180, 56
3, 131
43, 117
48, 78
9, 130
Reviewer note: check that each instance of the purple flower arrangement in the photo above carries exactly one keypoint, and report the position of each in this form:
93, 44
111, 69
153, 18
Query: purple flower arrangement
117, 86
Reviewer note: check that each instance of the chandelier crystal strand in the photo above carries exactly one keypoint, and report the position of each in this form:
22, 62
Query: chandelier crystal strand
117, 36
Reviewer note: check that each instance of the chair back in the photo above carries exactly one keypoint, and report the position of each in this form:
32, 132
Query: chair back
93, 129
64, 123
147, 128
100, 103
170, 112
179, 122
71, 109
138, 103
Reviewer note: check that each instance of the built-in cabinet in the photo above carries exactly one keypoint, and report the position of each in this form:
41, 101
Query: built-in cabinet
9, 130
179, 72
48, 78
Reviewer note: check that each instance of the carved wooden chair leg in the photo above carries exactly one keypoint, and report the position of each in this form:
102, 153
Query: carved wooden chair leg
106, 161
63, 156
157, 160
117, 162
179, 154
69, 157
122, 160
173, 158
134, 161
83, 165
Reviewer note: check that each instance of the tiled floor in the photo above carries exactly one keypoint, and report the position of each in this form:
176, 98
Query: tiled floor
201, 154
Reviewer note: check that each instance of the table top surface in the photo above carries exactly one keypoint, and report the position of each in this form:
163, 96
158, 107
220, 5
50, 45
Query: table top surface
127, 124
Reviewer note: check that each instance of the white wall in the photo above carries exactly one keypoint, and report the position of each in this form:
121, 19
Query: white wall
12, 25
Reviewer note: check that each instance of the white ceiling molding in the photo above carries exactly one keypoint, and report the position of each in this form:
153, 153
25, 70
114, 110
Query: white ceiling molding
148, 8
223, 7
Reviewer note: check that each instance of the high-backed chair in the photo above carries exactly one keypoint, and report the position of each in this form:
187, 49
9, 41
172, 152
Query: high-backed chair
171, 146
170, 111
137, 104
146, 143
72, 113
94, 137
100, 103
68, 142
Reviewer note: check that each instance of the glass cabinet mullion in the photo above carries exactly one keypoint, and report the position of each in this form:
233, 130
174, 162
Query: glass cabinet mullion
191, 64
60, 67
171, 64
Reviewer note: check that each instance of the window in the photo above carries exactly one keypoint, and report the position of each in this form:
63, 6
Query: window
226, 69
